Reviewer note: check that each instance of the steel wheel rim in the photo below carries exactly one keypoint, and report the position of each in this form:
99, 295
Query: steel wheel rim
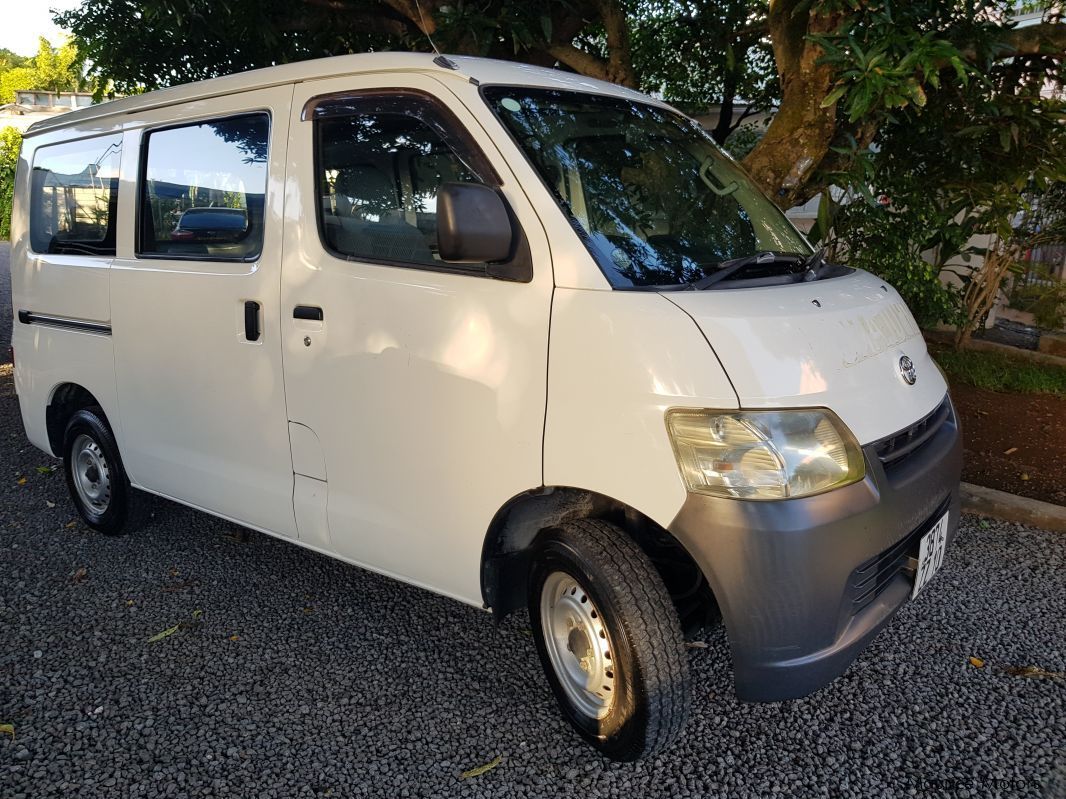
92, 474
578, 644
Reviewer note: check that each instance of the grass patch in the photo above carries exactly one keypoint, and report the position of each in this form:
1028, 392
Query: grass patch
998, 371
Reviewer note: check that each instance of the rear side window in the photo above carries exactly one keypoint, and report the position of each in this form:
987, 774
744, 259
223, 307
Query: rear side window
203, 190
74, 197
380, 161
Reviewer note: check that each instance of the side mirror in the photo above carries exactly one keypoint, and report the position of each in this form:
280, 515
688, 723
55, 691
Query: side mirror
473, 224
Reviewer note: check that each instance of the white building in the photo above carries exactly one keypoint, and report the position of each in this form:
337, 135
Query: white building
31, 106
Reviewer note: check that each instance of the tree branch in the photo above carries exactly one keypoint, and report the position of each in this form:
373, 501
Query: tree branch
422, 18
749, 110
378, 18
619, 58
579, 60
753, 32
1047, 38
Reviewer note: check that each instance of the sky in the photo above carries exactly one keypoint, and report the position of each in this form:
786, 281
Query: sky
25, 20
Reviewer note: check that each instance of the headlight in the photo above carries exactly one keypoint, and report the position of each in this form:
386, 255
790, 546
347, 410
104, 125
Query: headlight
764, 454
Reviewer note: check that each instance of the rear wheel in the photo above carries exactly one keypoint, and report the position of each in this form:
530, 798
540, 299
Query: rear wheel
95, 477
609, 639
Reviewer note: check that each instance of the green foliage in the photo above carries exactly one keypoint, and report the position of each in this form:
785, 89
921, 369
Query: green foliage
138, 45
743, 140
1044, 298
58, 69
54, 69
10, 60
704, 52
16, 80
10, 142
961, 148
1044, 225
892, 244
997, 371
885, 60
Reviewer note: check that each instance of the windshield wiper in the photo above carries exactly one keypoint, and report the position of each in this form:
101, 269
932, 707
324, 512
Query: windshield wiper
732, 266
815, 266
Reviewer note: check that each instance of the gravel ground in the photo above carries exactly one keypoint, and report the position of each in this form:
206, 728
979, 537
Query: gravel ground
292, 675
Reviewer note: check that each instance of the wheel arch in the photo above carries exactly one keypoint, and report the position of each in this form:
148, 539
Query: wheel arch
513, 531
63, 402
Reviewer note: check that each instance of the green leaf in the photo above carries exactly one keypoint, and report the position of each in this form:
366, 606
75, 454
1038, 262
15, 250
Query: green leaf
824, 222
1004, 139
833, 96
860, 56
960, 69
45, 469
8, 729
168, 631
546, 27
479, 770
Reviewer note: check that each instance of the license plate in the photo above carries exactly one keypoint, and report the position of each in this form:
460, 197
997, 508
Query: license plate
931, 554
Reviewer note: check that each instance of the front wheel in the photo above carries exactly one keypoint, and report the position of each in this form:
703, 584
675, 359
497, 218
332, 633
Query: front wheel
609, 639
95, 477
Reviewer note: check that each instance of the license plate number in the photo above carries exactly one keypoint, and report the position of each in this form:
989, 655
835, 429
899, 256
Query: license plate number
931, 554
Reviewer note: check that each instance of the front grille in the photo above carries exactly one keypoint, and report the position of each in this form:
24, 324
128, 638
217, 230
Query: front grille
871, 578
896, 447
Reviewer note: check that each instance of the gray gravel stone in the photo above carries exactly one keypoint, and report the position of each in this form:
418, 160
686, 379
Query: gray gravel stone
382, 690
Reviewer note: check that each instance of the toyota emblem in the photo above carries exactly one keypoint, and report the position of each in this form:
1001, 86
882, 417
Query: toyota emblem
906, 370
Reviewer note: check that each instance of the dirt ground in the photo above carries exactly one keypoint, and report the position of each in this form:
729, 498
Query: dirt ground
1014, 442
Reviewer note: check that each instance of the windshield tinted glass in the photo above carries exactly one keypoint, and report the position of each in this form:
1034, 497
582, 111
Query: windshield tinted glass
656, 202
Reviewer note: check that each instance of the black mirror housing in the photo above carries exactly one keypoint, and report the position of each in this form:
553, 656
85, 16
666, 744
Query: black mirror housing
473, 224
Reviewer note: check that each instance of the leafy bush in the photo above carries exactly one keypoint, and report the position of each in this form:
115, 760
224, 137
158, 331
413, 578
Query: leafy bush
1044, 299
890, 244
743, 140
10, 142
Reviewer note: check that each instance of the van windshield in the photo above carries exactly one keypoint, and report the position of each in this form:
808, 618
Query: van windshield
654, 199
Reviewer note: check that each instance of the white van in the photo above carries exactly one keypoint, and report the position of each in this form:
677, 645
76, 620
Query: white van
516, 336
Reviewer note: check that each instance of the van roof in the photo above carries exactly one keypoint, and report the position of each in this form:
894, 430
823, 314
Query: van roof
482, 70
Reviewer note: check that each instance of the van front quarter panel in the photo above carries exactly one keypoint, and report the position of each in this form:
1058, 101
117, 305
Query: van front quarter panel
619, 360
790, 576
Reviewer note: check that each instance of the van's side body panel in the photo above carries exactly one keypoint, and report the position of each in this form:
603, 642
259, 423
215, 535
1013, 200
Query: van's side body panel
202, 407
69, 287
425, 389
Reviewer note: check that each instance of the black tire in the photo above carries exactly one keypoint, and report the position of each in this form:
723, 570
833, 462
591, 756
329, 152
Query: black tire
110, 517
647, 651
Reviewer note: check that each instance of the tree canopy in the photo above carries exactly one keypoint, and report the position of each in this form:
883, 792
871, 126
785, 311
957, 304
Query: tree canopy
56, 69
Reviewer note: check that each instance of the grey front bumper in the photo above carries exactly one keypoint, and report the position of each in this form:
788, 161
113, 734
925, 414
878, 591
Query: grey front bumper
784, 572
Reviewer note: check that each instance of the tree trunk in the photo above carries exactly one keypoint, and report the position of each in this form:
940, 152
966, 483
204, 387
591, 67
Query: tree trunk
618, 66
799, 137
984, 286
725, 110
